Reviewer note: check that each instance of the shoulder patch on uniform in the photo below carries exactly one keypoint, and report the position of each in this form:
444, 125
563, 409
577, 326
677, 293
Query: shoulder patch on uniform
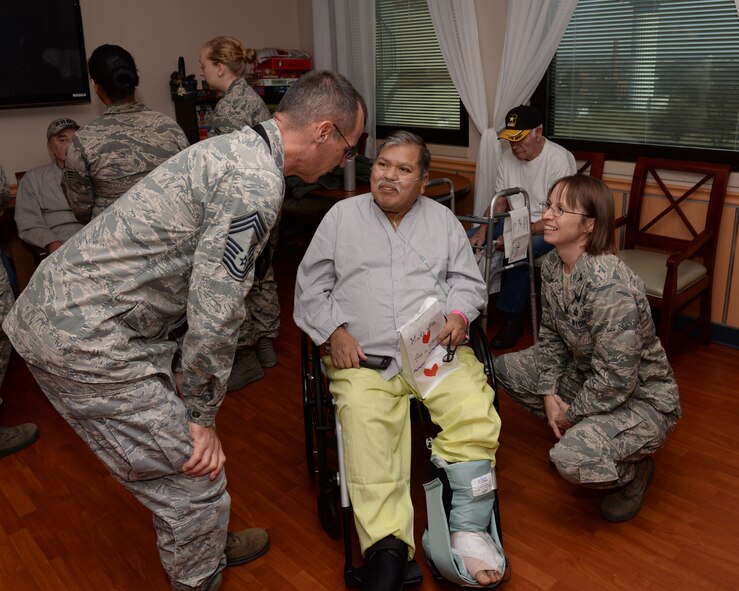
245, 233
68, 174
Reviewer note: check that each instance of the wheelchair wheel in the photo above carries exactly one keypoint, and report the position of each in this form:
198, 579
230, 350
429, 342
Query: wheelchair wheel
328, 511
306, 363
479, 344
318, 415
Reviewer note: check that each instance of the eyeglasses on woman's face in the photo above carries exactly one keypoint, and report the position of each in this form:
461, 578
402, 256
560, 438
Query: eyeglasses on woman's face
558, 210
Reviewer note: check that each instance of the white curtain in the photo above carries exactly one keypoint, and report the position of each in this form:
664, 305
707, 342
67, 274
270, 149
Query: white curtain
344, 42
534, 29
455, 23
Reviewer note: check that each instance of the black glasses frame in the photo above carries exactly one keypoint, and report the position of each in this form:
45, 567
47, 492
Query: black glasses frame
350, 151
450, 351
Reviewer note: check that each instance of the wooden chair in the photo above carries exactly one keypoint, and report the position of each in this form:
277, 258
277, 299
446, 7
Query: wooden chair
592, 162
673, 248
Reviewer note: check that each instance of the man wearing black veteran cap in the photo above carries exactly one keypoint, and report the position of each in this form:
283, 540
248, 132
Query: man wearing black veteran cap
534, 164
42, 214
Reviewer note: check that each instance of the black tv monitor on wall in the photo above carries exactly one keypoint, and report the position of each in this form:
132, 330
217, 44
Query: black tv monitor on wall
42, 54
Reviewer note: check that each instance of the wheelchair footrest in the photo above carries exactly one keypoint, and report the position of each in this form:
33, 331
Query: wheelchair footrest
413, 575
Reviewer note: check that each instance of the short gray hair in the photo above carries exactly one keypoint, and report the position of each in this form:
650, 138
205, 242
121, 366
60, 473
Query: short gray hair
401, 137
322, 95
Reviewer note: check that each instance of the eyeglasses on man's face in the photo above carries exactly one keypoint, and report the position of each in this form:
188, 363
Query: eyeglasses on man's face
350, 151
558, 210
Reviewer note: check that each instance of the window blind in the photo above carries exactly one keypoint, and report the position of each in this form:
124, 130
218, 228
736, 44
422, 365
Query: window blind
413, 87
660, 72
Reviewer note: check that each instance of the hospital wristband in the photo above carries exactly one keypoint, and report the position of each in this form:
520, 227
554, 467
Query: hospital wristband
466, 322
463, 315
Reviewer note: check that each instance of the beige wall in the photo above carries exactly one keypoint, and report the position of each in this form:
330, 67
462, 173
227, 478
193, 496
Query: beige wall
156, 32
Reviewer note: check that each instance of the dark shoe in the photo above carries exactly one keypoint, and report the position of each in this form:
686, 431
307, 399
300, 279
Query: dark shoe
246, 545
626, 502
384, 565
214, 584
13, 439
509, 334
245, 370
266, 352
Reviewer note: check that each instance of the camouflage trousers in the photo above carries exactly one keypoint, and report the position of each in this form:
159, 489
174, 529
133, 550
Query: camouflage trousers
262, 305
262, 311
6, 303
601, 451
138, 429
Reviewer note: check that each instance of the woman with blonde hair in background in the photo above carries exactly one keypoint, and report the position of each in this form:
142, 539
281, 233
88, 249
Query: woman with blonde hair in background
223, 62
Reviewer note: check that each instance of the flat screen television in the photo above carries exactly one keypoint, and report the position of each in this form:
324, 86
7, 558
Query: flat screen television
42, 54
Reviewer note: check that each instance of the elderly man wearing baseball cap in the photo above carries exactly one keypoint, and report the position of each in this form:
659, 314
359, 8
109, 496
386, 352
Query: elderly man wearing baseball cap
42, 214
534, 164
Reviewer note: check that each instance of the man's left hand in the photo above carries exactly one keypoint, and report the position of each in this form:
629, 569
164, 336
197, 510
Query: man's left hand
456, 327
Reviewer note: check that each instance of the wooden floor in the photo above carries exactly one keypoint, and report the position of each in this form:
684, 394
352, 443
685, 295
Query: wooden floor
65, 525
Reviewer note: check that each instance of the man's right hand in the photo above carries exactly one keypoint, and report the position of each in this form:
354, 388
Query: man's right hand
478, 238
345, 350
207, 453
52, 246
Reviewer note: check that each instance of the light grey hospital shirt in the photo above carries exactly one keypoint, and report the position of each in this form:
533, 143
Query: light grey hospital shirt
359, 271
42, 213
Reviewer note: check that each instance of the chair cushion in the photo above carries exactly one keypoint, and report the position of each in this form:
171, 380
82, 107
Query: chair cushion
652, 268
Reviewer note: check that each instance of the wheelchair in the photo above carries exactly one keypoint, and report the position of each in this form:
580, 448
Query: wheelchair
324, 451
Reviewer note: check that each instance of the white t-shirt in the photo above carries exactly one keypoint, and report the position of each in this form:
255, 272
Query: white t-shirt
536, 176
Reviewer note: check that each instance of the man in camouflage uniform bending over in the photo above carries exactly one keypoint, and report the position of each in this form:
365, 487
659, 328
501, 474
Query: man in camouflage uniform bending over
97, 322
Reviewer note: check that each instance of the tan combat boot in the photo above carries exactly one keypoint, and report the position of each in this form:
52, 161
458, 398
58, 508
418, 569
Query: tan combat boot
626, 502
246, 545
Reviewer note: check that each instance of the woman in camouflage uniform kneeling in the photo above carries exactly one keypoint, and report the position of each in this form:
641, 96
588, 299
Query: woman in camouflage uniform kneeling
598, 375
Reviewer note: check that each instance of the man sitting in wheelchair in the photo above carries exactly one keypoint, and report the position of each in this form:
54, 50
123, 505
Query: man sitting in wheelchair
373, 261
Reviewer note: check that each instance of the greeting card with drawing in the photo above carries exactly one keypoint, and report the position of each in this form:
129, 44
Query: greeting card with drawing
422, 356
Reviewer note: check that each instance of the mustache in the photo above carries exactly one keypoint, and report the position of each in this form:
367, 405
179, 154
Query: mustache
387, 183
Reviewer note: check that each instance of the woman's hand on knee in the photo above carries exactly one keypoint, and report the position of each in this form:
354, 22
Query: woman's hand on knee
556, 410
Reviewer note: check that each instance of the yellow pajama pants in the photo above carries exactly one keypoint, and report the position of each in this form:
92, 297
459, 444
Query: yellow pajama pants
374, 415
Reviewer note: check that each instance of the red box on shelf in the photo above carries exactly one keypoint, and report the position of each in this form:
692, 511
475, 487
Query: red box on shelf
285, 64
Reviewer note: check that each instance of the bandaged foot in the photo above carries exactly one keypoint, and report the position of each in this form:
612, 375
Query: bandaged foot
482, 557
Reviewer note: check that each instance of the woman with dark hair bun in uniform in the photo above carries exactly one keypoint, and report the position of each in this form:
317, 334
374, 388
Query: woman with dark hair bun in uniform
223, 62
114, 151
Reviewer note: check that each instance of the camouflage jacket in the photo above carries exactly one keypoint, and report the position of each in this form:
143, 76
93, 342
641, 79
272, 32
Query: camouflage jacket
240, 106
112, 153
602, 329
178, 246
